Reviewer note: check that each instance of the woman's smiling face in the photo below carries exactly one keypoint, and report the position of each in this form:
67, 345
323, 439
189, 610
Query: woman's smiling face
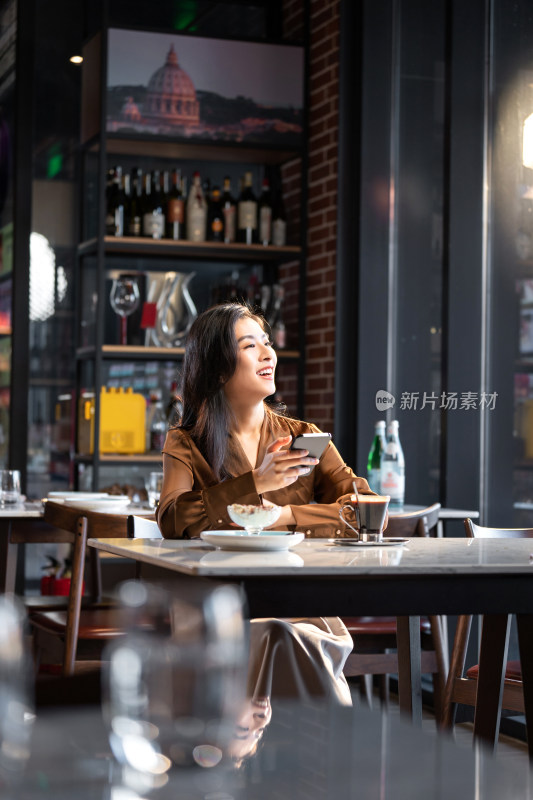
256, 364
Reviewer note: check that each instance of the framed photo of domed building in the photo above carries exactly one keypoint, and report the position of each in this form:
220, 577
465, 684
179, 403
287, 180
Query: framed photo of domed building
195, 88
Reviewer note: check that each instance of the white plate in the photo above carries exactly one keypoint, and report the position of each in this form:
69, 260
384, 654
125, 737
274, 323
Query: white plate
389, 541
77, 495
111, 503
239, 540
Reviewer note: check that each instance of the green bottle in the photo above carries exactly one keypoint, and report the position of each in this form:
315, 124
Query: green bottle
375, 456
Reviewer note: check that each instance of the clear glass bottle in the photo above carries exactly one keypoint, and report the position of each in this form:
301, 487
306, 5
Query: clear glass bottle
393, 467
375, 457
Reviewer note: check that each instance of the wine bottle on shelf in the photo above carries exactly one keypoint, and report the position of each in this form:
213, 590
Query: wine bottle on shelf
393, 467
253, 292
133, 207
247, 212
175, 208
158, 428
153, 220
279, 221
265, 214
196, 211
114, 225
158, 205
229, 209
277, 324
375, 457
215, 217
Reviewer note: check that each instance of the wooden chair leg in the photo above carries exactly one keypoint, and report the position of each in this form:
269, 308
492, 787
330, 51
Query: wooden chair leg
457, 664
75, 595
439, 678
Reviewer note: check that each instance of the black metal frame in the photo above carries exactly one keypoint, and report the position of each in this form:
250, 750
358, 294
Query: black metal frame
22, 180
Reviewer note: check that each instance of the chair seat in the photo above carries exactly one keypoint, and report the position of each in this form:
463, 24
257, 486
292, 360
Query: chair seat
513, 672
40, 602
94, 624
378, 626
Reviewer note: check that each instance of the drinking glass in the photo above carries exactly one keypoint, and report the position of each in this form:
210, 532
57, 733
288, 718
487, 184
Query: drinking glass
154, 485
9, 487
174, 685
124, 299
16, 697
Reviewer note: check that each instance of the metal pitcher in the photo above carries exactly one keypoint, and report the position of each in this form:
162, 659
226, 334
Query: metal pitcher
175, 309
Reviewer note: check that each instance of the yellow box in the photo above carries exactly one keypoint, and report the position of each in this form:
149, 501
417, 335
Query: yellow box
122, 421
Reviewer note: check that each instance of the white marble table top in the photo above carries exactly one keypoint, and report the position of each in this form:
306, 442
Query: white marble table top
26, 510
318, 557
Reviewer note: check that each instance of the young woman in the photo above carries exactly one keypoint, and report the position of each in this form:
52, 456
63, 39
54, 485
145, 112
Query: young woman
231, 447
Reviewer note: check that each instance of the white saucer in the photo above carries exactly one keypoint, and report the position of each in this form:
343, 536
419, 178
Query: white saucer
58, 497
389, 541
111, 503
240, 540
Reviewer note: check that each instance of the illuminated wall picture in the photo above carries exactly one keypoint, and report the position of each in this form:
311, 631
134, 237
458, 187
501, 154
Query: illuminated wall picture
195, 88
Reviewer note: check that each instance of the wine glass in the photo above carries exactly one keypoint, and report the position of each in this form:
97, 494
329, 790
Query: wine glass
124, 299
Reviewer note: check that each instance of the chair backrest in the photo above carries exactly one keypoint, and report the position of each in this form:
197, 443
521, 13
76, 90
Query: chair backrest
74, 528
143, 528
414, 523
99, 525
464, 622
478, 532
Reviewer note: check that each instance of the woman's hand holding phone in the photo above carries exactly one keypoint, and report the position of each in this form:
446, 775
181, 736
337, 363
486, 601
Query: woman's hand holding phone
280, 468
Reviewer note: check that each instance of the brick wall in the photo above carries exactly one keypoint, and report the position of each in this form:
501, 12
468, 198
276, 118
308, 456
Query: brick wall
321, 223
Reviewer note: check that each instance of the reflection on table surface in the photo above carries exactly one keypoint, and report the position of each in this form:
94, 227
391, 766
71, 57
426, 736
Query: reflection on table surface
305, 750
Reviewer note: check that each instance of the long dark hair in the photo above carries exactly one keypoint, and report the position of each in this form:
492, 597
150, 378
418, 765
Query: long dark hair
210, 361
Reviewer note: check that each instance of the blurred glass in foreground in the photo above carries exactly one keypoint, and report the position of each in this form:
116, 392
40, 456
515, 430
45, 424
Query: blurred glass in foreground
173, 686
16, 695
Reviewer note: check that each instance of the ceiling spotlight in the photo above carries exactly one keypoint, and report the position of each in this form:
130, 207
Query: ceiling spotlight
76, 59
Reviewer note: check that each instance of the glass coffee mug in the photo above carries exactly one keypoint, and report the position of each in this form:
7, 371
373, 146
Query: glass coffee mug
368, 512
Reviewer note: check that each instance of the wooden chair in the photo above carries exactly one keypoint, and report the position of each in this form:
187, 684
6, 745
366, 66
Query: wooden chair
374, 638
92, 626
462, 688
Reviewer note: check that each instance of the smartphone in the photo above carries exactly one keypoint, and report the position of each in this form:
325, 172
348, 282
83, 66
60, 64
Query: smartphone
315, 443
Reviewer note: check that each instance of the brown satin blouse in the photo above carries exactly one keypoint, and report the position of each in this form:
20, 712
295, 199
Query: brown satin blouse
204, 505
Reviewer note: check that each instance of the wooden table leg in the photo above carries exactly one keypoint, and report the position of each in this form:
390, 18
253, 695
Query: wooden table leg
409, 674
524, 624
8, 558
492, 663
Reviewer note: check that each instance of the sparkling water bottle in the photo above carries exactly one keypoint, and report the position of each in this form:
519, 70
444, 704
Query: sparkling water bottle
375, 457
393, 467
